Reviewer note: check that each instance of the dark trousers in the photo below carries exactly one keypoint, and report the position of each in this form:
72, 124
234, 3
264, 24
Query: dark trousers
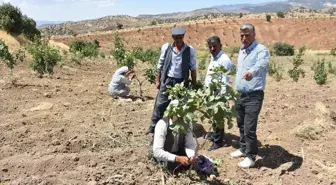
248, 107
218, 135
162, 101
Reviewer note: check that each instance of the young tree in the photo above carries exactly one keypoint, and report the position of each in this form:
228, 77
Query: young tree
320, 73
202, 103
268, 18
45, 57
11, 19
296, 72
281, 14
10, 59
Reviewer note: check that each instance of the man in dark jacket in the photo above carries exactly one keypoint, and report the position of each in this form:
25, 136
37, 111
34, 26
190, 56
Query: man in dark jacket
177, 61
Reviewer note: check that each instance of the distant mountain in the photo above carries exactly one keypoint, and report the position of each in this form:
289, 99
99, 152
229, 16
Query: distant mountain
39, 23
276, 6
182, 15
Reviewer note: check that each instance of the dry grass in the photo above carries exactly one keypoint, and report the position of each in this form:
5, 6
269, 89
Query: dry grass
322, 123
12, 43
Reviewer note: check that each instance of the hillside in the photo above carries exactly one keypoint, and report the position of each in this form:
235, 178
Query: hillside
312, 33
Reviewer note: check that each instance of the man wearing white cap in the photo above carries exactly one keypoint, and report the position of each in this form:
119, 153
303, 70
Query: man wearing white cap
176, 62
121, 78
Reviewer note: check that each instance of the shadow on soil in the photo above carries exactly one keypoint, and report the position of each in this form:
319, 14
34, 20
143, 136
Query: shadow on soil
272, 156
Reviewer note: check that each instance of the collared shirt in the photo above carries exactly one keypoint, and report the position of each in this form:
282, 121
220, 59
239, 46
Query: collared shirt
159, 141
254, 59
221, 59
175, 69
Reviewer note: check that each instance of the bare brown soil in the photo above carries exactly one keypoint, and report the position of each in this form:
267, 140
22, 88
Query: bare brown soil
68, 130
314, 33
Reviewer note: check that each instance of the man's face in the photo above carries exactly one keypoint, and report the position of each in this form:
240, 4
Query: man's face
247, 37
178, 40
214, 47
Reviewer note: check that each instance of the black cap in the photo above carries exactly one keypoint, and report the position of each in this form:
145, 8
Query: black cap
178, 31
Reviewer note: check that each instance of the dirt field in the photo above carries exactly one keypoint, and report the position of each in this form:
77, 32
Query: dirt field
68, 130
314, 33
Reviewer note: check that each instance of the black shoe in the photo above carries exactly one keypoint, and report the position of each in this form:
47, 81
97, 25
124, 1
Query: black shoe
210, 137
150, 130
215, 146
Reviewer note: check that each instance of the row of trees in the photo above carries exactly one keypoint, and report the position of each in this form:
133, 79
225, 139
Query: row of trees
14, 22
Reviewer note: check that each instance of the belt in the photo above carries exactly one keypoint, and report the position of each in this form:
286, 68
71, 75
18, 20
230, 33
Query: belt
246, 94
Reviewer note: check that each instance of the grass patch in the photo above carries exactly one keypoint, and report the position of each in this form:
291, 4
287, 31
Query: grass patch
321, 124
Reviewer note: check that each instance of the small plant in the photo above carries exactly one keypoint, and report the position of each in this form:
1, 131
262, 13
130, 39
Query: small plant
87, 49
241, 15
120, 26
333, 51
268, 18
296, 72
275, 71
10, 59
320, 73
45, 58
283, 49
212, 107
281, 14
123, 57
331, 68
204, 103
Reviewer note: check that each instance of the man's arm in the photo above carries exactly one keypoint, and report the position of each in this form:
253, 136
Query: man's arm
193, 65
160, 64
125, 80
262, 62
158, 144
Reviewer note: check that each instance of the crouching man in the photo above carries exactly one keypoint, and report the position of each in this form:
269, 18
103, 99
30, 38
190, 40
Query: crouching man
174, 151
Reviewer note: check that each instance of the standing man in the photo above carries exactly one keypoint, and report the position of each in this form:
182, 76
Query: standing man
252, 68
219, 58
176, 60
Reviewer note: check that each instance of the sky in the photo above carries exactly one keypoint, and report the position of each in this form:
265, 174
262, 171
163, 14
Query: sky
75, 10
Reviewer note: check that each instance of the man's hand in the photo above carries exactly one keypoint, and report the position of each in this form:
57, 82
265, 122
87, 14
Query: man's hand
157, 84
182, 160
247, 76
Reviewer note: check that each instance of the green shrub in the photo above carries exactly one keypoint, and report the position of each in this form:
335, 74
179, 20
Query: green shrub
10, 59
29, 29
88, 49
275, 71
11, 19
268, 18
123, 57
45, 58
283, 49
320, 73
333, 51
296, 72
331, 68
281, 14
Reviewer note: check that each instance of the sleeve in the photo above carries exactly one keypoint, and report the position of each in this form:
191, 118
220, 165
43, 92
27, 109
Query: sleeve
226, 62
161, 59
262, 62
190, 144
192, 59
158, 144
125, 80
